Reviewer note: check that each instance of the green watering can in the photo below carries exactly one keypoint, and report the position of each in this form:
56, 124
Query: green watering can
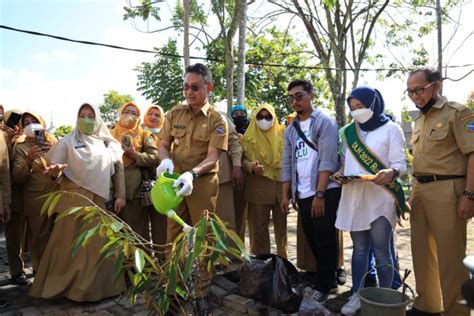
164, 197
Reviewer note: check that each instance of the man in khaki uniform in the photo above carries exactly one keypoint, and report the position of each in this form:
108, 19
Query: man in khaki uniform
230, 175
5, 188
442, 199
198, 134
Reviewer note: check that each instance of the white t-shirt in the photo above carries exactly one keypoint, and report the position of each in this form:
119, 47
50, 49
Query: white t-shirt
305, 159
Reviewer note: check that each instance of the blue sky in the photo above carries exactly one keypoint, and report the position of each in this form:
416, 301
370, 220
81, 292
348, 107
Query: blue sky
54, 77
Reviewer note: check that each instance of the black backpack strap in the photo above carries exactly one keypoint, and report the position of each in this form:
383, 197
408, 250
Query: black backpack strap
296, 125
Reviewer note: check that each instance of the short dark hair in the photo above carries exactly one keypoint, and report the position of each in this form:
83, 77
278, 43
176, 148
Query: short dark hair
431, 74
200, 69
307, 86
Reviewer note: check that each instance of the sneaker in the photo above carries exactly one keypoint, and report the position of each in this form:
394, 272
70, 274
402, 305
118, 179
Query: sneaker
341, 276
351, 307
20, 279
319, 296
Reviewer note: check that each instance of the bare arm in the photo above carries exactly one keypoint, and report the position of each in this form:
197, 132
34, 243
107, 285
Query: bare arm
209, 162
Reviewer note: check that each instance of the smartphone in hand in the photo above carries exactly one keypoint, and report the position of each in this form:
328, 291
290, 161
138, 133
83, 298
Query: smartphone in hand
13, 120
126, 140
39, 136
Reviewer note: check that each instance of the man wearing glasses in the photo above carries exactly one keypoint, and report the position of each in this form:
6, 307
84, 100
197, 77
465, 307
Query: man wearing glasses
191, 140
442, 199
309, 158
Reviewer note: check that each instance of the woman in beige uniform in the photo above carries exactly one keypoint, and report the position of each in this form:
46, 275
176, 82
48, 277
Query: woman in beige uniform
262, 144
152, 122
28, 167
140, 152
94, 169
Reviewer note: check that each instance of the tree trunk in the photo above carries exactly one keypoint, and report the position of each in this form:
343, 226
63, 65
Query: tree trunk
186, 33
440, 39
241, 56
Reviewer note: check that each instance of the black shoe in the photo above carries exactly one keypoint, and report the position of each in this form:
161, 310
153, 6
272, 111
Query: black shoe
370, 282
416, 312
20, 279
341, 276
3, 303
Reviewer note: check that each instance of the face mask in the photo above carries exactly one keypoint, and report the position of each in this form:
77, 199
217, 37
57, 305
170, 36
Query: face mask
155, 130
362, 115
241, 121
128, 121
264, 125
87, 126
427, 106
30, 129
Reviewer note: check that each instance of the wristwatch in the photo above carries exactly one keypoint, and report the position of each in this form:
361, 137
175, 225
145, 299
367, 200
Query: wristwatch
195, 175
396, 173
320, 194
469, 194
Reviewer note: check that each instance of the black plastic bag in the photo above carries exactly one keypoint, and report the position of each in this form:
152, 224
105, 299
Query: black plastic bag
256, 279
273, 280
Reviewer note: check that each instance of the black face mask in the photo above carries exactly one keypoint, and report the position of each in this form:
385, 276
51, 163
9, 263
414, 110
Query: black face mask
241, 123
427, 106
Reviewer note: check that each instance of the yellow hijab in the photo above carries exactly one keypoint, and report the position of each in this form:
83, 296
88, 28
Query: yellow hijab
49, 137
154, 133
266, 147
135, 133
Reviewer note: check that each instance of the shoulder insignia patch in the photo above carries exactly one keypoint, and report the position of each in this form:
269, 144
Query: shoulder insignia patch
469, 126
467, 117
220, 130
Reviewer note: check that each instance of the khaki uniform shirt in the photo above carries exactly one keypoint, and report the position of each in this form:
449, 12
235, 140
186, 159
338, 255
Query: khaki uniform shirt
442, 139
5, 187
33, 181
232, 158
260, 189
191, 135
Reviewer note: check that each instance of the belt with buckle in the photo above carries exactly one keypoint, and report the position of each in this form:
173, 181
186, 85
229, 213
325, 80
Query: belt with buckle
434, 177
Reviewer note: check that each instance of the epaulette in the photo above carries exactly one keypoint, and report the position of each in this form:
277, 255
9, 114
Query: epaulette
457, 106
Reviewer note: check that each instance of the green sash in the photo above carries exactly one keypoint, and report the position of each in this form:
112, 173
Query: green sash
370, 162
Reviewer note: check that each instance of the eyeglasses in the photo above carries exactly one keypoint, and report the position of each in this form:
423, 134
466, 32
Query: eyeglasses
267, 117
418, 91
193, 87
297, 97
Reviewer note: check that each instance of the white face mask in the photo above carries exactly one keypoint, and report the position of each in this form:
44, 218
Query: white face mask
264, 125
30, 129
362, 115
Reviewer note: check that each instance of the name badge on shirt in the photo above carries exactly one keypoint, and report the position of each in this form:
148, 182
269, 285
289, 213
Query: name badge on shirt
79, 146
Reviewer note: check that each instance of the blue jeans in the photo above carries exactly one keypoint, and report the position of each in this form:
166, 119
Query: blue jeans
376, 238
397, 282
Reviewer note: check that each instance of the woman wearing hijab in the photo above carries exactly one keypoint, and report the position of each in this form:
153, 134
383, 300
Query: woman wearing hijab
140, 153
91, 162
152, 122
373, 145
262, 146
28, 166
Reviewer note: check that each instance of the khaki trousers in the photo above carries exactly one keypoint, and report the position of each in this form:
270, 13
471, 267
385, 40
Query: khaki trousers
225, 204
240, 209
438, 243
15, 233
137, 217
258, 220
204, 197
39, 230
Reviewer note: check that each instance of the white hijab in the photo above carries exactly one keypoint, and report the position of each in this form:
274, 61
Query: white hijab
90, 158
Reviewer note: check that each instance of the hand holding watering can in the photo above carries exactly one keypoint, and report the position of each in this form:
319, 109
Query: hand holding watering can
169, 189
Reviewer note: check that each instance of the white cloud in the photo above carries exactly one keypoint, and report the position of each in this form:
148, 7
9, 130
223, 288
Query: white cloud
4, 73
41, 57
63, 55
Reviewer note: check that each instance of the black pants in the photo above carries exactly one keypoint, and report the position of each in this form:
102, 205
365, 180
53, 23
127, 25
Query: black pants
321, 235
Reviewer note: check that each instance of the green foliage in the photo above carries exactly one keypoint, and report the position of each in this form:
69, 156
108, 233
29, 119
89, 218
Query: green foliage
144, 9
162, 80
470, 100
166, 285
269, 84
62, 131
112, 103
405, 116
